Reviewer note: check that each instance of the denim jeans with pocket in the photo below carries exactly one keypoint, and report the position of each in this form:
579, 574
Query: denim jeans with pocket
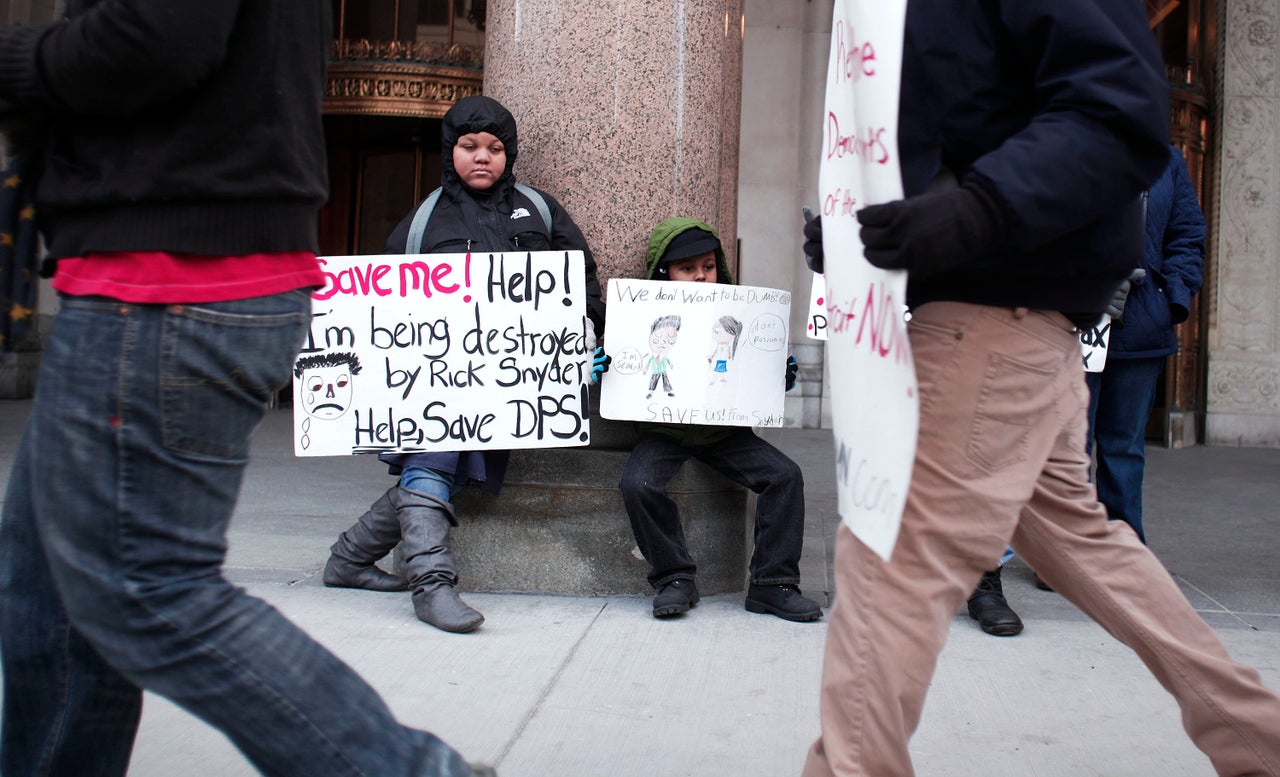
111, 548
1120, 400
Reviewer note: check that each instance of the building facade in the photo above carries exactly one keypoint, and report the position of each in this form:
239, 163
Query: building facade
399, 64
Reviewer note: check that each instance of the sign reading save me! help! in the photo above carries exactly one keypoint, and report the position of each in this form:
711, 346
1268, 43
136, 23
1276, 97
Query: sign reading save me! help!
446, 352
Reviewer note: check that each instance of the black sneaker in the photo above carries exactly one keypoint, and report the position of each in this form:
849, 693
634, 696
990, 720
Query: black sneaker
783, 600
989, 608
675, 598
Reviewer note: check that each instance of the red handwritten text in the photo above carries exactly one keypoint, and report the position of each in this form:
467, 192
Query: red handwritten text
418, 274
841, 201
883, 326
357, 280
867, 143
853, 60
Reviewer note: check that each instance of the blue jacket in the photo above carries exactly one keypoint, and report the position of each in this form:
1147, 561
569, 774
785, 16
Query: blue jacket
1174, 260
1059, 110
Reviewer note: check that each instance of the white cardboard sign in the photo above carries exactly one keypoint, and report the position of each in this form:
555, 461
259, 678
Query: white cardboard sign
1094, 341
410, 353
695, 353
875, 415
817, 328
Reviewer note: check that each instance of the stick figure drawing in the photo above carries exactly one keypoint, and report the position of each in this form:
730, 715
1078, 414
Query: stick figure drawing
662, 335
724, 336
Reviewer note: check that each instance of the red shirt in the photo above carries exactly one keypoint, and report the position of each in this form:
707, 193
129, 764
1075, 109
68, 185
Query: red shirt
157, 277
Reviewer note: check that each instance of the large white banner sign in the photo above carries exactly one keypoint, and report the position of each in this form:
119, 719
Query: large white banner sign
695, 353
444, 352
875, 413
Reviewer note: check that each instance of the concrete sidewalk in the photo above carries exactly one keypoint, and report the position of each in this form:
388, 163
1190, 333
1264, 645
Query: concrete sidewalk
596, 687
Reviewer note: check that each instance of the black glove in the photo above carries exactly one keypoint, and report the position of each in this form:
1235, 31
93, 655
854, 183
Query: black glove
600, 364
1115, 308
931, 232
813, 244
792, 369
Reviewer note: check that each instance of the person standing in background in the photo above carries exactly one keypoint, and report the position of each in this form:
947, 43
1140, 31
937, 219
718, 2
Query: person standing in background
1142, 335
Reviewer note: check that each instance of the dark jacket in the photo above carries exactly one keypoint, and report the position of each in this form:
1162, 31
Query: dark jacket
1173, 257
1059, 110
184, 126
467, 219
659, 239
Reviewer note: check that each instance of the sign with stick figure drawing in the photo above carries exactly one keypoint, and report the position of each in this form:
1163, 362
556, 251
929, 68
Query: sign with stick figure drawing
695, 353
444, 352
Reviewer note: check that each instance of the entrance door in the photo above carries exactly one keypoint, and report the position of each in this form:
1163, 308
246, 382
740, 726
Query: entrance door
380, 167
1187, 33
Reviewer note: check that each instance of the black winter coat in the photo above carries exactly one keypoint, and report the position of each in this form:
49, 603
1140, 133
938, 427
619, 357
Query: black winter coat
1174, 260
1057, 108
468, 219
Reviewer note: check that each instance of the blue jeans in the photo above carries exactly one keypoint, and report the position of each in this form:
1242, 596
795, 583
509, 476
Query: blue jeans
111, 549
432, 482
1120, 399
745, 459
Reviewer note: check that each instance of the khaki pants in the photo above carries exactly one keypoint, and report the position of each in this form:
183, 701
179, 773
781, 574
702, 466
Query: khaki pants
1001, 458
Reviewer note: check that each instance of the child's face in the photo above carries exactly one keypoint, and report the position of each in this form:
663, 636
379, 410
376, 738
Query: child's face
720, 335
479, 159
662, 338
698, 269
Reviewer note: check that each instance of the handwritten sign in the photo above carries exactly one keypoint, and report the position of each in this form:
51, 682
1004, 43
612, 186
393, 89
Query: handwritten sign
444, 352
875, 416
1093, 344
817, 327
695, 353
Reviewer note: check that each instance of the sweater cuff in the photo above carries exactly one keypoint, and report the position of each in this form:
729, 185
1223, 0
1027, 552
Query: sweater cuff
20, 81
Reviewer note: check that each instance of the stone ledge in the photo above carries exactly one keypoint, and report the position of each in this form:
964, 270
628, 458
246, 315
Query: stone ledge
559, 526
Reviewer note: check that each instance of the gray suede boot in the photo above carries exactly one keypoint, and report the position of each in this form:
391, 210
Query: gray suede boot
428, 563
352, 557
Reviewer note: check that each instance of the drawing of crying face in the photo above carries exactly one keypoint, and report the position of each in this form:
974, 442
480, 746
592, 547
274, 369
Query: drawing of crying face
326, 391
662, 338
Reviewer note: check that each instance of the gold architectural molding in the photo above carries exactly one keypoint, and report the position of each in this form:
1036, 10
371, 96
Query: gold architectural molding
395, 78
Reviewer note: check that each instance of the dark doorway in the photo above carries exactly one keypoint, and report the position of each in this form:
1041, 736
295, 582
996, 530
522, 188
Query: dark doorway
379, 168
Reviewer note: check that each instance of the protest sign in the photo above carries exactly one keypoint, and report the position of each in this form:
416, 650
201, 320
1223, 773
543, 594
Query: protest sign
875, 413
444, 352
695, 353
817, 328
1093, 344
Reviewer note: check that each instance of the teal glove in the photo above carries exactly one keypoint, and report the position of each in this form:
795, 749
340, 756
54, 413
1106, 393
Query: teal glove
600, 364
792, 369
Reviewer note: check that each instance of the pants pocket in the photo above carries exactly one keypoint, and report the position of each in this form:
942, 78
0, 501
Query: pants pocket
1014, 398
220, 364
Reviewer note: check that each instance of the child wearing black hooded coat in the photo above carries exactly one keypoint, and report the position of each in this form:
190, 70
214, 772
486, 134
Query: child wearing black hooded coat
685, 249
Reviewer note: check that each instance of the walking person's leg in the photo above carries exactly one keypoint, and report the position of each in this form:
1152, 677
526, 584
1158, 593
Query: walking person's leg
1105, 570
989, 381
154, 409
88, 728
